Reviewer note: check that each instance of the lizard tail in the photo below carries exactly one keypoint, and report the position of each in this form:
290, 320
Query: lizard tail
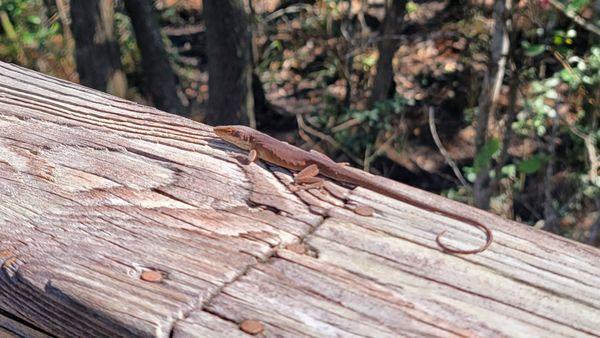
488, 235
358, 178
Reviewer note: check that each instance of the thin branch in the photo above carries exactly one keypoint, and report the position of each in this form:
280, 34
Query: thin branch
361, 16
288, 10
443, 150
511, 116
575, 17
380, 150
589, 141
345, 125
328, 139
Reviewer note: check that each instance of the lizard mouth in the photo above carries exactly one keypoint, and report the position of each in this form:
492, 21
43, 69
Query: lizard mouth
232, 135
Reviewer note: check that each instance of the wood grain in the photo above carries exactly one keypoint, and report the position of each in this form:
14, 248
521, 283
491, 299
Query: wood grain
11, 328
95, 190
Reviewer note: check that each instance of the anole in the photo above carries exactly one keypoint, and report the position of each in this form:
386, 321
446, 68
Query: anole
309, 164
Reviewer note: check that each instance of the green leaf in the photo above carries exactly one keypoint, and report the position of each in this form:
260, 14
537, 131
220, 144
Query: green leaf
541, 130
277, 45
488, 151
534, 50
411, 7
34, 19
531, 165
576, 5
27, 38
558, 40
552, 82
567, 76
470, 174
370, 60
509, 170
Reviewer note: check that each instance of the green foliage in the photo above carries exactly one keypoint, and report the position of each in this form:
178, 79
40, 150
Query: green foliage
22, 28
533, 49
539, 107
28, 38
489, 150
531, 165
583, 71
411, 7
509, 171
483, 159
130, 54
576, 5
367, 126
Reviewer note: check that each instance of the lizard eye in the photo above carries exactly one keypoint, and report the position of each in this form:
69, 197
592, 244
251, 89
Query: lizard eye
229, 130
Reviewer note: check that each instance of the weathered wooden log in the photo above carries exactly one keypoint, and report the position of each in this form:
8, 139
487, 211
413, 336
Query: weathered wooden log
120, 220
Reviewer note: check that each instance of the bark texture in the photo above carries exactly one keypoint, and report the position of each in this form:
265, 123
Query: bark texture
160, 81
229, 50
96, 49
492, 84
383, 83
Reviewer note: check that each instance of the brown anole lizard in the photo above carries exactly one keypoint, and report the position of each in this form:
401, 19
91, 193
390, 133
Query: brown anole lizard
309, 164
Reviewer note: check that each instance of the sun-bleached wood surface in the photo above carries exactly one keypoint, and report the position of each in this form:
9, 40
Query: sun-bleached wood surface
119, 220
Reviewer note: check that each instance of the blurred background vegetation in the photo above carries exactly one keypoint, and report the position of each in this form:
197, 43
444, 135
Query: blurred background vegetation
493, 103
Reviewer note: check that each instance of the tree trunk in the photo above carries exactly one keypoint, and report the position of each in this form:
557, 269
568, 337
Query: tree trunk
106, 234
488, 99
551, 215
160, 81
96, 49
394, 15
229, 51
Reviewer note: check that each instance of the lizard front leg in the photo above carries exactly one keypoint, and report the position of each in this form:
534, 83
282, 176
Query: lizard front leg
252, 156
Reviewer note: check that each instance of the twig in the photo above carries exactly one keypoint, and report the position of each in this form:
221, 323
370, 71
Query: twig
288, 10
328, 139
307, 139
345, 125
503, 50
511, 116
379, 150
589, 141
361, 16
443, 151
7, 26
567, 66
575, 17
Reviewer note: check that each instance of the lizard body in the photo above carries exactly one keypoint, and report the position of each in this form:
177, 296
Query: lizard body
290, 157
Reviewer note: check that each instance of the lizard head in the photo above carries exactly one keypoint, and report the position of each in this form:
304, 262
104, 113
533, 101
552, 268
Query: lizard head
241, 136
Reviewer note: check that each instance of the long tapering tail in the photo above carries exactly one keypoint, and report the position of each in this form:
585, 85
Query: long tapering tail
353, 176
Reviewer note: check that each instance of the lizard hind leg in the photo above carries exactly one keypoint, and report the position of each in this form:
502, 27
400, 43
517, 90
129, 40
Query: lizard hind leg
307, 179
307, 175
